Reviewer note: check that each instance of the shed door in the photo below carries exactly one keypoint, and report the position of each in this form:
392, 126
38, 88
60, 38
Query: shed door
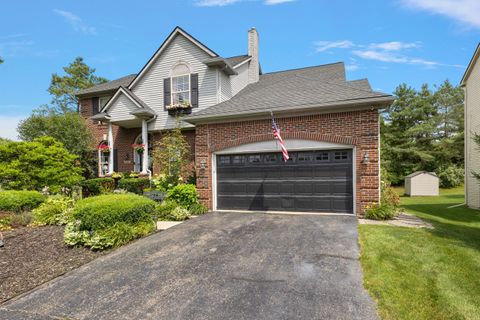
316, 181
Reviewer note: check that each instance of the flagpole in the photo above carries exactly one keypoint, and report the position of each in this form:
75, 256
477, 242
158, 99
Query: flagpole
276, 141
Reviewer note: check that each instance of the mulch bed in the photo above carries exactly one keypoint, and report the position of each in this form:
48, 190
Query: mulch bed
32, 256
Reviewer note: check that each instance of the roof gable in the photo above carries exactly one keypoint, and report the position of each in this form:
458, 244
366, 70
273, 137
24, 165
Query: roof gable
177, 31
471, 64
127, 93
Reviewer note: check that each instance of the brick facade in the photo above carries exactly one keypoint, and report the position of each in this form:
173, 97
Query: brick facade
358, 128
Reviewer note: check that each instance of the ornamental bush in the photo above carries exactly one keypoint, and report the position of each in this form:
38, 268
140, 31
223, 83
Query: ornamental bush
104, 211
451, 176
18, 201
198, 209
95, 187
169, 210
36, 164
134, 185
183, 194
56, 210
380, 212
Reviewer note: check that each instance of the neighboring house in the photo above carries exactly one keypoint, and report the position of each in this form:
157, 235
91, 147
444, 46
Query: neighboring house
421, 183
471, 84
330, 127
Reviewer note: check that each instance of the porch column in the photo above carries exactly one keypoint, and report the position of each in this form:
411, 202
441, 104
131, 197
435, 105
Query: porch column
145, 146
110, 145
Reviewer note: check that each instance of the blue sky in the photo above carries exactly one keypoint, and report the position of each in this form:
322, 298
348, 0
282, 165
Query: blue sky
388, 42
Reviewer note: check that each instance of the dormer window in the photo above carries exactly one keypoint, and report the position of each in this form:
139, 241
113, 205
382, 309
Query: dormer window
181, 89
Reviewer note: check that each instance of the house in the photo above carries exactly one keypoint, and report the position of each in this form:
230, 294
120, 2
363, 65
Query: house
471, 85
421, 183
330, 127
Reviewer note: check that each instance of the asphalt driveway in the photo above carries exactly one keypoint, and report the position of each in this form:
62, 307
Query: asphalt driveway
218, 266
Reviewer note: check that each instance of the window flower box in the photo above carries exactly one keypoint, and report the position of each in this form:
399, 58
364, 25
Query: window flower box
179, 108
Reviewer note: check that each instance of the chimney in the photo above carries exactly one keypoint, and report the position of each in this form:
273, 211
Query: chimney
254, 65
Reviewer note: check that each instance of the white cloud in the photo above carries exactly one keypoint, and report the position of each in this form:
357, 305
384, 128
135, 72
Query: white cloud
390, 52
465, 11
384, 56
76, 22
274, 2
8, 126
13, 46
394, 45
321, 46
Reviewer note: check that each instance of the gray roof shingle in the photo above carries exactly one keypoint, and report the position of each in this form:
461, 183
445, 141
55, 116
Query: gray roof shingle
319, 86
237, 59
108, 86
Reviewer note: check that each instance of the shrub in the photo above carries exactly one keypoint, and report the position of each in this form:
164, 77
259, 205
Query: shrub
104, 211
183, 194
451, 176
117, 235
95, 187
55, 210
388, 206
198, 209
18, 201
171, 211
380, 212
134, 185
36, 164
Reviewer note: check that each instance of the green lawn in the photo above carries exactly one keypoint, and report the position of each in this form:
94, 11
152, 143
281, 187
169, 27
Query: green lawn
421, 273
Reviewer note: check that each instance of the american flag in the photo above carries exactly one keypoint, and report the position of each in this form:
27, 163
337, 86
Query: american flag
276, 134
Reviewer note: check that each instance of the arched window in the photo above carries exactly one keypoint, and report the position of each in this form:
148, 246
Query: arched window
138, 153
181, 84
103, 157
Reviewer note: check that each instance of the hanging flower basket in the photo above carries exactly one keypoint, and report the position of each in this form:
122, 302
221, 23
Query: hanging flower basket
179, 108
104, 148
139, 147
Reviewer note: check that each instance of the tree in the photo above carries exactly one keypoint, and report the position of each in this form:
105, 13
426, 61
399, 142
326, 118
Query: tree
36, 164
171, 155
68, 128
422, 130
77, 76
1, 60
408, 132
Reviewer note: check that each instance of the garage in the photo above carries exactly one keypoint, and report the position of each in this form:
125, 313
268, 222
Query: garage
311, 181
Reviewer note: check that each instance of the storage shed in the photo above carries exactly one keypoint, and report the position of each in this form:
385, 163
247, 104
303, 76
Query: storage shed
421, 183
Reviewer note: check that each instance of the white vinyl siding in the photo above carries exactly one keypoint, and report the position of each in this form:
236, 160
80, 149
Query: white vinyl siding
120, 109
231, 85
149, 87
472, 125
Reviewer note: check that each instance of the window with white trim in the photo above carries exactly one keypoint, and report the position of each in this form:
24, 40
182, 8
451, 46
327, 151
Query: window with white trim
181, 84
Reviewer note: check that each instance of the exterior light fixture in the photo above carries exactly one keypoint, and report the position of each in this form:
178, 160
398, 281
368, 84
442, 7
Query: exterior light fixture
365, 158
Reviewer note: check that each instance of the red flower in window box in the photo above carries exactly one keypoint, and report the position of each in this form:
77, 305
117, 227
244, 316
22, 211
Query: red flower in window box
138, 147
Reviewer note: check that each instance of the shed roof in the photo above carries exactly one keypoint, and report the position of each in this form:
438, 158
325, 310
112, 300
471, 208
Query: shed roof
417, 173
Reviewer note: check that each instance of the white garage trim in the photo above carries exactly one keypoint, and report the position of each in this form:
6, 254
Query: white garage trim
292, 145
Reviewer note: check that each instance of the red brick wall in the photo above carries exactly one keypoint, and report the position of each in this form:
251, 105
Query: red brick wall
359, 128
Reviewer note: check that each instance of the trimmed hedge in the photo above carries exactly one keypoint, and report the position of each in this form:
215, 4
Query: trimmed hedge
134, 185
18, 201
95, 187
104, 211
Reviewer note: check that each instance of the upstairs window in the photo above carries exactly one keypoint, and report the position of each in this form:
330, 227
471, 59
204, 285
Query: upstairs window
181, 89
102, 101
181, 84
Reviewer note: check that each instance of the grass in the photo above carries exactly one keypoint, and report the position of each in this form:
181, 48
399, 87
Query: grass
421, 273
